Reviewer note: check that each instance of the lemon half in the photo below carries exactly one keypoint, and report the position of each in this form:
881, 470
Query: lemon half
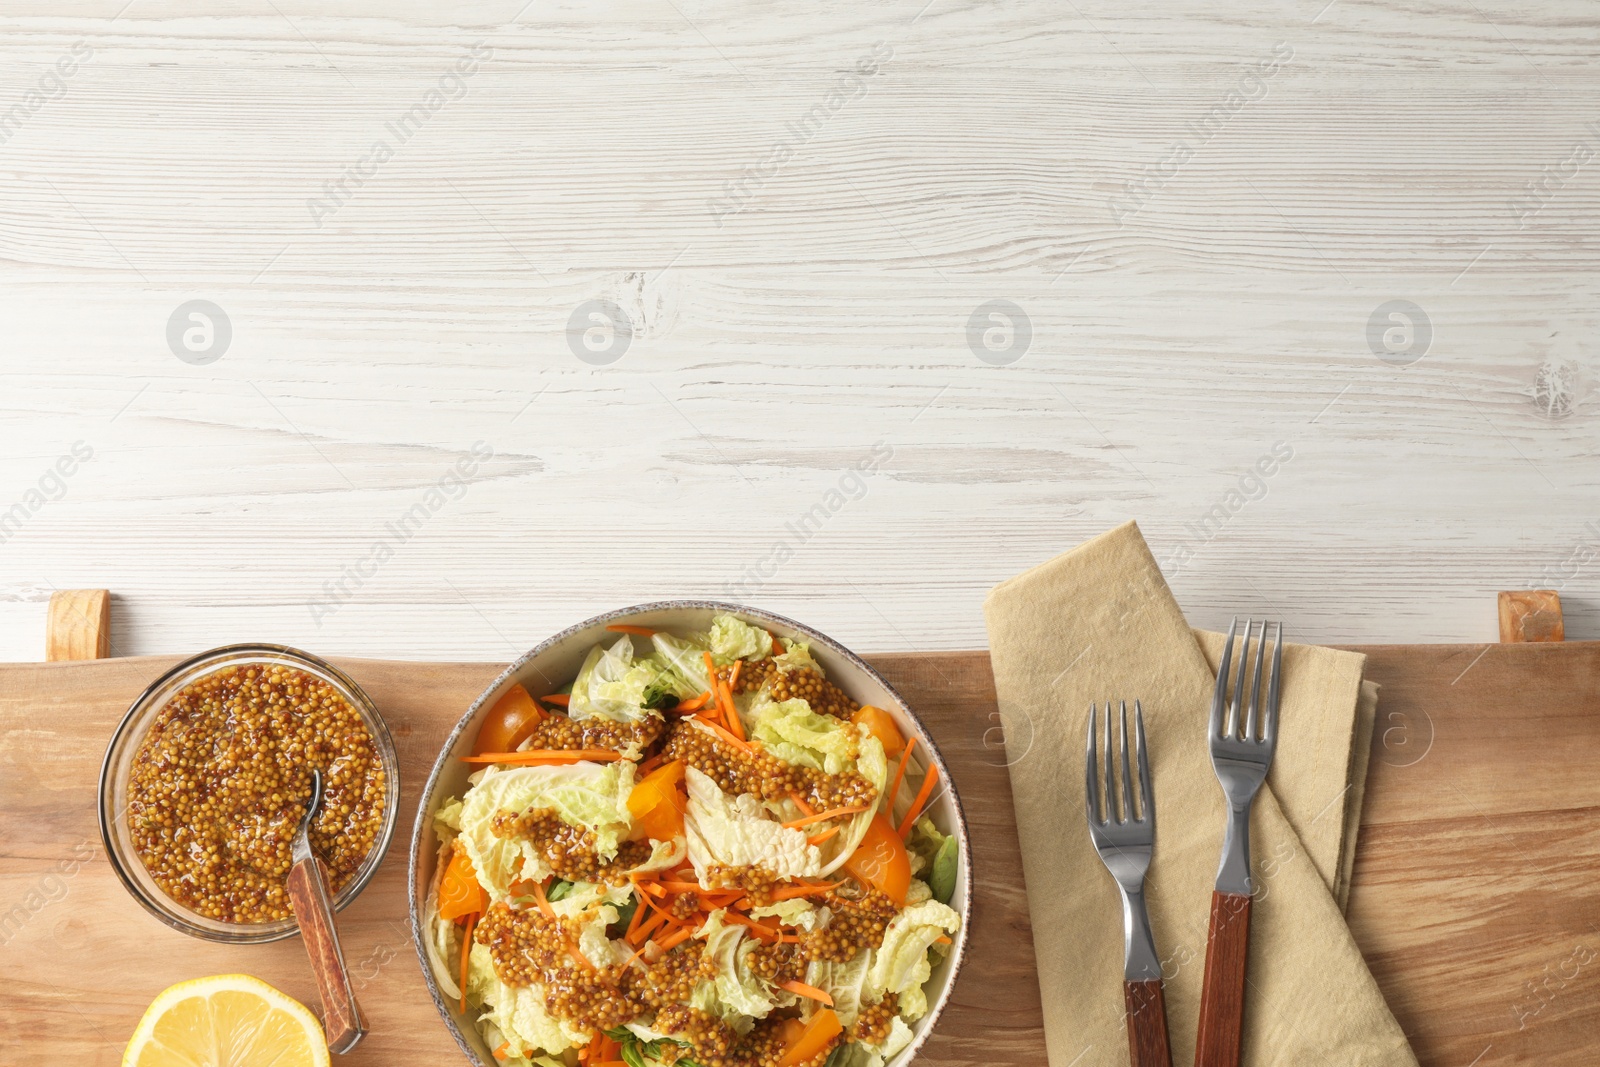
229, 1020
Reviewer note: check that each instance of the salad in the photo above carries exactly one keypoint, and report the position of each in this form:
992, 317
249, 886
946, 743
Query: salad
700, 853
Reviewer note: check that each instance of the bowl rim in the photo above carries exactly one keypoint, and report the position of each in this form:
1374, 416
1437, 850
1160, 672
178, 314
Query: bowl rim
423, 825
246, 933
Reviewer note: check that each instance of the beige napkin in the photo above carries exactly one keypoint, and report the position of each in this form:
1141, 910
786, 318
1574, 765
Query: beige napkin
1099, 622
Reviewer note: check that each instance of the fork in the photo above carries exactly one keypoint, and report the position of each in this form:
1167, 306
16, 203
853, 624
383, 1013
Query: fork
1125, 842
1241, 754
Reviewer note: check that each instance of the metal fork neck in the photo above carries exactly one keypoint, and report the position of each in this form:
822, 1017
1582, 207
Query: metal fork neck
1140, 963
1233, 876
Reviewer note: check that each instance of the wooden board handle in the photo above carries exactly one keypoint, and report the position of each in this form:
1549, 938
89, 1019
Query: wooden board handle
1147, 1024
1531, 615
79, 625
313, 909
1222, 995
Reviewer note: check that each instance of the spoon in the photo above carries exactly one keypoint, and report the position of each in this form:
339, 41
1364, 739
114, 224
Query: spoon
313, 908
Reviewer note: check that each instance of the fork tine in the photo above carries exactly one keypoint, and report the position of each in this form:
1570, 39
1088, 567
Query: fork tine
1269, 732
1127, 780
1109, 784
1235, 718
1257, 713
1220, 696
1147, 802
1091, 790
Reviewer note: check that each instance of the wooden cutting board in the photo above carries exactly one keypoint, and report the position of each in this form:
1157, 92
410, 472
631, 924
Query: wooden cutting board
1476, 894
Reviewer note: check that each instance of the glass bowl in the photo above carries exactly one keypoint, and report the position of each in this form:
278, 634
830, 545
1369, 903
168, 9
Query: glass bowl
130, 734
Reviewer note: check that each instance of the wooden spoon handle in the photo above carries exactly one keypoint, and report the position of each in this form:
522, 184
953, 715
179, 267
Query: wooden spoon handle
313, 908
1222, 995
1147, 1024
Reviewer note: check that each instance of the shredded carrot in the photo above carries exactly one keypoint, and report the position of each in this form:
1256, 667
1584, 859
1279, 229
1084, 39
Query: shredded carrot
821, 815
723, 699
800, 802
648, 928
648, 765
759, 928
658, 909
500, 1053
544, 901
943, 940
560, 700
583, 961
636, 954
694, 704
731, 710
681, 887
899, 776
676, 938
733, 675
922, 798
639, 912
744, 920
546, 755
637, 631
722, 732
789, 939
810, 992
655, 907
817, 839
790, 892
466, 953
713, 901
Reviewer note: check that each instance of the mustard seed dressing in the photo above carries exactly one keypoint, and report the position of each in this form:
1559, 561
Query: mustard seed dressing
220, 781
570, 850
761, 773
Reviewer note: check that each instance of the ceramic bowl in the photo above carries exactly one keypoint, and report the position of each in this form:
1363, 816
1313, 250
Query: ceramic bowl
555, 661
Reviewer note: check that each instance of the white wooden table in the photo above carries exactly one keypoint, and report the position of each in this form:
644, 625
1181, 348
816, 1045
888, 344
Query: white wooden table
1200, 217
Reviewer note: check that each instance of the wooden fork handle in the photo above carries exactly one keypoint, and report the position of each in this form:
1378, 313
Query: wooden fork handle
1222, 995
313, 909
1147, 1024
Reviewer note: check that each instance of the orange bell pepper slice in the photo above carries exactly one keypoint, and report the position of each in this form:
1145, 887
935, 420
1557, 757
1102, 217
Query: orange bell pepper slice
459, 891
814, 1040
880, 724
657, 803
881, 861
512, 720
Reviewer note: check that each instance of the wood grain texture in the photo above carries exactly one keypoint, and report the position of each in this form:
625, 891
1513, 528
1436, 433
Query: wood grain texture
1171, 347
1147, 1024
1221, 1024
1531, 615
342, 1021
79, 625
1473, 900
